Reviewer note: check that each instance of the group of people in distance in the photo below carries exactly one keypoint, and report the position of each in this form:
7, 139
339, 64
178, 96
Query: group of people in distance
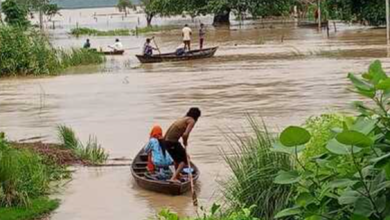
184, 47
166, 150
117, 46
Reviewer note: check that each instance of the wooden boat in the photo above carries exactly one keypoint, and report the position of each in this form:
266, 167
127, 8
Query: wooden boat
138, 170
312, 24
170, 57
114, 52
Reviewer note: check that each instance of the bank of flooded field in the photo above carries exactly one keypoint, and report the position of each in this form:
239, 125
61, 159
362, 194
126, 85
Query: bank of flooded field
253, 73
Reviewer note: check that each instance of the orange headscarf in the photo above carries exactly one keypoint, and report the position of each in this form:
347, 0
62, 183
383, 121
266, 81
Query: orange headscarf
156, 132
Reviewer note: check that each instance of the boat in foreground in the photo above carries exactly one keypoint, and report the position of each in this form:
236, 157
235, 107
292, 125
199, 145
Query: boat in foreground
138, 170
171, 57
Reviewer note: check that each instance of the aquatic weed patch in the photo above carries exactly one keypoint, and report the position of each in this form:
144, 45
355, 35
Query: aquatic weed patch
94, 32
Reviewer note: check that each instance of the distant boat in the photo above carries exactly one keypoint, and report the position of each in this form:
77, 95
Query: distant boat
138, 170
170, 57
312, 24
113, 53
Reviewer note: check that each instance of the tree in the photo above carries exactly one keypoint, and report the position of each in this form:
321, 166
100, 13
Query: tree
123, 5
15, 14
153, 8
50, 10
371, 12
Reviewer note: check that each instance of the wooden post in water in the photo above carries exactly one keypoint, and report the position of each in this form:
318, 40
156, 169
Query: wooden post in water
388, 21
319, 14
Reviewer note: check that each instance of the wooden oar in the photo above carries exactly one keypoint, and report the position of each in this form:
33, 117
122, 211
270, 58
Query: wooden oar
158, 49
194, 196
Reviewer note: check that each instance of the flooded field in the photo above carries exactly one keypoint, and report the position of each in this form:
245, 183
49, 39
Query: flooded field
253, 72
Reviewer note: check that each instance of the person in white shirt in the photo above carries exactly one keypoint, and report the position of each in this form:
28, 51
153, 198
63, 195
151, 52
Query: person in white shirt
118, 46
187, 32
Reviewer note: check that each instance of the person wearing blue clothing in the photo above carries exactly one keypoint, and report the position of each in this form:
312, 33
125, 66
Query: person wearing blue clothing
160, 157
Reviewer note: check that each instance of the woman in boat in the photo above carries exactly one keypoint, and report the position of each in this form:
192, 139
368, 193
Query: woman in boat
158, 157
180, 129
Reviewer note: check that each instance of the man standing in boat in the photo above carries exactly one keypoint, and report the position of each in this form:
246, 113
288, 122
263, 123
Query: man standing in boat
186, 33
202, 34
180, 129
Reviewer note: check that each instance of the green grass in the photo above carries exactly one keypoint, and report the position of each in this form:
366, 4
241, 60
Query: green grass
38, 208
254, 165
151, 29
94, 32
78, 57
91, 152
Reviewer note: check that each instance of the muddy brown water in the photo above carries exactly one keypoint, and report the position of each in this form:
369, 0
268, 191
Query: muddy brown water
252, 73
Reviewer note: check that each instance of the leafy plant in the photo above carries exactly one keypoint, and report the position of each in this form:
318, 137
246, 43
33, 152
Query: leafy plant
89, 31
15, 14
364, 191
254, 165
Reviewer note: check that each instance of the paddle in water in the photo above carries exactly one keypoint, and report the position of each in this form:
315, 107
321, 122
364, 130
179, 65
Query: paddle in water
194, 196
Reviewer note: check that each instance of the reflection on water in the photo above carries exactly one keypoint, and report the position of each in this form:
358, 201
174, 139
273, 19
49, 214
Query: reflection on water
123, 99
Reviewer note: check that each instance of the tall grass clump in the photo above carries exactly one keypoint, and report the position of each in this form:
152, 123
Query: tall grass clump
254, 166
77, 57
23, 176
94, 32
26, 53
91, 152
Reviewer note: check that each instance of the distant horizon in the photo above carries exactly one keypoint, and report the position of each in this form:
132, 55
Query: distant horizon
80, 4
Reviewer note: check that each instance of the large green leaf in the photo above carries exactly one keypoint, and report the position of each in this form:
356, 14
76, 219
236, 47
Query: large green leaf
304, 199
376, 72
341, 149
364, 125
384, 84
288, 212
381, 161
348, 197
354, 138
314, 217
341, 183
364, 207
278, 147
287, 177
294, 136
360, 84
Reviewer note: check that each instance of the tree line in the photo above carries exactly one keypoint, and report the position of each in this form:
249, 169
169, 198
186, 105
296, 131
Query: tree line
369, 12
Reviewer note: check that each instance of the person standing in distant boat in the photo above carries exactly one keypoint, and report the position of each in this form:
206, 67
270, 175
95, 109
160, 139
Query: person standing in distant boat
186, 33
180, 129
202, 34
87, 44
148, 49
118, 46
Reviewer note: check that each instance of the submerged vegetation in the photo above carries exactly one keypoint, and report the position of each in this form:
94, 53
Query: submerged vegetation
30, 53
119, 32
94, 32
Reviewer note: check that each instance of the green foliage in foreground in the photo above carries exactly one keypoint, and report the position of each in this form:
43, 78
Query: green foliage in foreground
351, 179
91, 152
215, 214
30, 53
93, 32
38, 208
24, 175
254, 166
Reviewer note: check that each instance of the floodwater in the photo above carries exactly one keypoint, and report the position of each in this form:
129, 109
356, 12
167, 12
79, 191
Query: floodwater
253, 72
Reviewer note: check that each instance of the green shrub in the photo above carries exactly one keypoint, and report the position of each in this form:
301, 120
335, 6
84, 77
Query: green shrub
254, 165
26, 53
23, 176
351, 179
92, 152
